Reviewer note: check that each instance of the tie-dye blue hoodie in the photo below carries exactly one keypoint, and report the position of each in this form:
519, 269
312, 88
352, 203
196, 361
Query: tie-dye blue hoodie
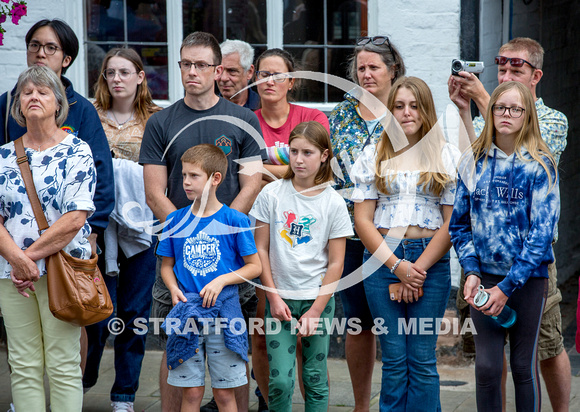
504, 217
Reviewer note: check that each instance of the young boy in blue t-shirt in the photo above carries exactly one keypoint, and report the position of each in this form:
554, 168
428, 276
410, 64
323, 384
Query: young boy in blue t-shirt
207, 250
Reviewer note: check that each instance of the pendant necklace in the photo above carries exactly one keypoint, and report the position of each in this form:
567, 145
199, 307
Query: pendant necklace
48, 141
119, 124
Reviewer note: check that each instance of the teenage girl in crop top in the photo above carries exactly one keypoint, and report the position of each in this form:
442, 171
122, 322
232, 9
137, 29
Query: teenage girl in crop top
404, 203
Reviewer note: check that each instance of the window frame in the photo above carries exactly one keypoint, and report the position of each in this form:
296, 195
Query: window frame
76, 15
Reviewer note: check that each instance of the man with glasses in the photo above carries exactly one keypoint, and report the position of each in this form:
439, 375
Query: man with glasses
237, 61
521, 60
200, 117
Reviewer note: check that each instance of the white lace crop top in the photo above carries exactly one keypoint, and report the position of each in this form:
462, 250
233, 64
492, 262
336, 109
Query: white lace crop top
407, 204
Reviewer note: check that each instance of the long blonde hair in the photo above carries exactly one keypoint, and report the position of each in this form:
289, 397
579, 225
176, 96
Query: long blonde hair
528, 137
434, 175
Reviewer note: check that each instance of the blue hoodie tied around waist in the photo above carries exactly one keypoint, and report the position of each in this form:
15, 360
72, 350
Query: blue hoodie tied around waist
181, 347
505, 217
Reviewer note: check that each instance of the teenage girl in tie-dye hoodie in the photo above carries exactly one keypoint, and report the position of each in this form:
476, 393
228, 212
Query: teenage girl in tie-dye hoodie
504, 219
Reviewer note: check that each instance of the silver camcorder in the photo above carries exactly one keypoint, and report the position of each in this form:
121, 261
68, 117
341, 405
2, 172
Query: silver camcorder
465, 66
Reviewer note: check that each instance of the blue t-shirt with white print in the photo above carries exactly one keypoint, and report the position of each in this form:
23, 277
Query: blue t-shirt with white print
205, 248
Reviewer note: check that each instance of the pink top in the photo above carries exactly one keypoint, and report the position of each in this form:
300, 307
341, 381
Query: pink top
277, 138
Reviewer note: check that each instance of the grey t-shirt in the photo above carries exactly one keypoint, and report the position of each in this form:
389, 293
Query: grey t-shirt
172, 123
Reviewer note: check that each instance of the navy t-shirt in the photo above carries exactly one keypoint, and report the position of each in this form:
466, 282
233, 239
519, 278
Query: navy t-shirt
205, 248
170, 132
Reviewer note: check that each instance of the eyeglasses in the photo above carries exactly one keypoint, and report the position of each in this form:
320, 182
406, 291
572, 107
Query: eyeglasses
199, 66
49, 49
277, 77
376, 40
514, 61
124, 74
514, 112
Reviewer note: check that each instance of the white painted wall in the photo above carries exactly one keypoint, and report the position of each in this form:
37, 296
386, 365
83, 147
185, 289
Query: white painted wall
13, 52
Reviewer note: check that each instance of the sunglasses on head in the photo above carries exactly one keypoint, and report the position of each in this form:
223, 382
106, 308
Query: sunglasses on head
376, 40
514, 61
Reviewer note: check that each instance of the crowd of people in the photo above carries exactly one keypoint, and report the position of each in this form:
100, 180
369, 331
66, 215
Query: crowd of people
266, 209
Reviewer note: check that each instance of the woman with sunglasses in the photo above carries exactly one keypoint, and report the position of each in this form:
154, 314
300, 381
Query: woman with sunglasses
375, 65
502, 226
124, 104
278, 116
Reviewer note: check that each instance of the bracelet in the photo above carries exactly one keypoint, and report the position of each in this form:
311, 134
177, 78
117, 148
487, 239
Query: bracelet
396, 265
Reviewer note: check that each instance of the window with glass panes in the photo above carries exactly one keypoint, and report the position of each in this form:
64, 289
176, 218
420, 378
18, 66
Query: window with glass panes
141, 25
320, 34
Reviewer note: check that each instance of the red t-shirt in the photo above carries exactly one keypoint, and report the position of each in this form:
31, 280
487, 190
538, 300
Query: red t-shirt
277, 138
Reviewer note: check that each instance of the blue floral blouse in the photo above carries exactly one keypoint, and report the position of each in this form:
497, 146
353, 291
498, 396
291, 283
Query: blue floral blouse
64, 176
407, 204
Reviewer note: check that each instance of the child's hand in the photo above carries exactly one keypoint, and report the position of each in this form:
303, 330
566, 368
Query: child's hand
211, 292
407, 294
496, 302
308, 323
279, 309
470, 289
411, 275
177, 296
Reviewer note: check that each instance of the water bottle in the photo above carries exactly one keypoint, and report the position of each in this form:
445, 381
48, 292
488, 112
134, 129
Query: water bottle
505, 319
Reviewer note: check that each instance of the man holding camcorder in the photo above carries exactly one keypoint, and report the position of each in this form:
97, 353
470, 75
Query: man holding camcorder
521, 60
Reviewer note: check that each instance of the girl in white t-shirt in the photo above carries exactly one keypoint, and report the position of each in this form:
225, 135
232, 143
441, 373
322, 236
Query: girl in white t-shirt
301, 229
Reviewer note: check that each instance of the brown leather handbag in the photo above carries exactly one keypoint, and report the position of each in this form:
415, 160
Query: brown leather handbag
76, 291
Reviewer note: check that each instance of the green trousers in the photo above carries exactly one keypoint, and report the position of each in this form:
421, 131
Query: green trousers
281, 346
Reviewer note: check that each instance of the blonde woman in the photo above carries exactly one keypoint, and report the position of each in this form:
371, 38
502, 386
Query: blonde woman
502, 227
404, 202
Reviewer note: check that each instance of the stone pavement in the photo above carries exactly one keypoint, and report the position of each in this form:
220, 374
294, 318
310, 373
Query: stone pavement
457, 387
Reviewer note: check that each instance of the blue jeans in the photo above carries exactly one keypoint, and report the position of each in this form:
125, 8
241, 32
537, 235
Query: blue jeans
131, 294
410, 381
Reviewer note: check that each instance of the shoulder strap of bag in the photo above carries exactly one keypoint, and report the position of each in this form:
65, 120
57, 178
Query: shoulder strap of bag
8, 98
22, 161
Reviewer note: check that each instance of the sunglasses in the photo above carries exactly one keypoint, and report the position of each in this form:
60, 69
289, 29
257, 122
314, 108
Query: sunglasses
376, 40
514, 61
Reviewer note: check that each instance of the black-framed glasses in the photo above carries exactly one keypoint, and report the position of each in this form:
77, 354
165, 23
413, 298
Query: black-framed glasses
514, 112
514, 61
277, 77
49, 49
199, 66
124, 74
376, 40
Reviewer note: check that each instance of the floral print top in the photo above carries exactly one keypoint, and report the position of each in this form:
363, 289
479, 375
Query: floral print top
407, 204
64, 176
349, 135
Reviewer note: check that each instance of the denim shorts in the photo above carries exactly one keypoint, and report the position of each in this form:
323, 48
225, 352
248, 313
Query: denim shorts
353, 298
226, 368
161, 304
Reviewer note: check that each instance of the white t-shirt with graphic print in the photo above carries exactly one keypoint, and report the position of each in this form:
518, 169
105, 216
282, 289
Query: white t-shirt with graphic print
300, 227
